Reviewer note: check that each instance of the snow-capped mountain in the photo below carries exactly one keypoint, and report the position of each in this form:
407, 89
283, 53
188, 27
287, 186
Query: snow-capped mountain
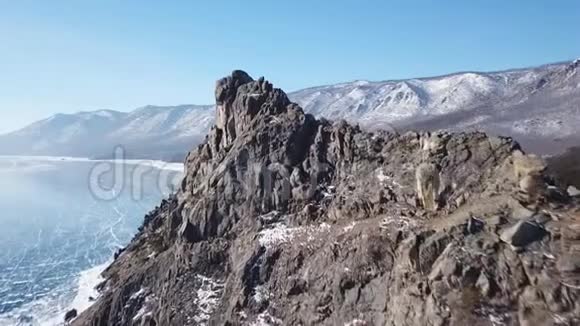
164, 132
538, 106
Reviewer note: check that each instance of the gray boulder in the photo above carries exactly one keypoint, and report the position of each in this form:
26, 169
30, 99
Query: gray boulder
523, 233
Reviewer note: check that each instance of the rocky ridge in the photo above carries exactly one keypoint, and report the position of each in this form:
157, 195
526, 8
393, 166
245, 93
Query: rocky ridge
282, 219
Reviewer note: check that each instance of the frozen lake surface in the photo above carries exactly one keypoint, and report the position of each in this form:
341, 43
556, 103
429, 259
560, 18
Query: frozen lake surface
57, 234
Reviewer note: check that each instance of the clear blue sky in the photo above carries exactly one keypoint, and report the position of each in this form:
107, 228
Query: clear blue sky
67, 56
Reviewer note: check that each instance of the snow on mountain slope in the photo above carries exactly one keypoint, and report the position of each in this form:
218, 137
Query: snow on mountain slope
397, 100
152, 131
60, 131
73, 124
538, 106
157, 121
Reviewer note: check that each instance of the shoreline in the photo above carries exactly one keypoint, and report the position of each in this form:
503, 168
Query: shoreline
157, 164
50, 311
86, 284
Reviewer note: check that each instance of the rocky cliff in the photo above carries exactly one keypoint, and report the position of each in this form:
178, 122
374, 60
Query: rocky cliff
282, 219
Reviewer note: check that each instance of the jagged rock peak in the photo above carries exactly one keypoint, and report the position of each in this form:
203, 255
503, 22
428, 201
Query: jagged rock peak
226, 88
239, 98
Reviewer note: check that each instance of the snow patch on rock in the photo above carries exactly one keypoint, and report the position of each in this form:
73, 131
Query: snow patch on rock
146, 308
573, 191
138, 294
265, 319
356, 322
279, 233
261, 294
349, 227
207, 299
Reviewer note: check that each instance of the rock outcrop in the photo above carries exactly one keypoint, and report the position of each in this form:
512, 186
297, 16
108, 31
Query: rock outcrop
282, 219
70, 315
428, 185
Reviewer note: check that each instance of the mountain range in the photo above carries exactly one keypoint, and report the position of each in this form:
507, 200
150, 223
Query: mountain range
161, 132
538, 106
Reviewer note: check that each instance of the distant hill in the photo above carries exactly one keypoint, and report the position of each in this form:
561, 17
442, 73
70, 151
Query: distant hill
538, 106
161, 132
